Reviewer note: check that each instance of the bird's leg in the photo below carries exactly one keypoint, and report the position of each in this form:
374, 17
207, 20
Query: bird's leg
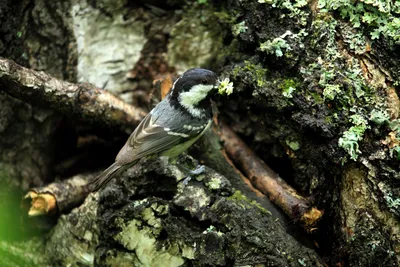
200, 169
180, 160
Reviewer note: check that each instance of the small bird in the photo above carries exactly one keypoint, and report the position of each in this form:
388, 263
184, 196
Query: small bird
174, 124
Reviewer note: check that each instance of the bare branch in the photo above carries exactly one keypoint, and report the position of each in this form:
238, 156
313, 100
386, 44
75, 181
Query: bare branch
80, 100
58, 197
268, 182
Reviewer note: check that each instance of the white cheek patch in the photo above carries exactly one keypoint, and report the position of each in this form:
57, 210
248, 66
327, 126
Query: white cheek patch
192, 97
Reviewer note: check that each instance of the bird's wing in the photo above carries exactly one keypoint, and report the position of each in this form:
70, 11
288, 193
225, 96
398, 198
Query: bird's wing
150, 138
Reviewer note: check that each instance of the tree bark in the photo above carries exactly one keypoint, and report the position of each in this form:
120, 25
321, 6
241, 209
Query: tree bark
318, 101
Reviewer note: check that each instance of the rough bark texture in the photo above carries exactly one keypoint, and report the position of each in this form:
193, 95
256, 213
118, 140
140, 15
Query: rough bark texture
316, 97
81, 100
35, 35
318, 101
159, 214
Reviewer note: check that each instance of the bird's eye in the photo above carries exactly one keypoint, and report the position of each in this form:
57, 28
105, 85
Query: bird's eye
204, 82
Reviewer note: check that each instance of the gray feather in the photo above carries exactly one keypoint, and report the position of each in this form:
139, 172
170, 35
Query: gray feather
104, 177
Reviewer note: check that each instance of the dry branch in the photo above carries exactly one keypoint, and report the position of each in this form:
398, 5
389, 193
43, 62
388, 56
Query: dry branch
58, 197
82, 100
217, 131
268, 182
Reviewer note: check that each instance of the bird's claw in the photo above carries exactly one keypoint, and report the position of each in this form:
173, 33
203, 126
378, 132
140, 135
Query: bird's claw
199, 170
187, 180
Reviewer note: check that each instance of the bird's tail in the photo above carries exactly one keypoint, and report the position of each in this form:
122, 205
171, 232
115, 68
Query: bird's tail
104, 177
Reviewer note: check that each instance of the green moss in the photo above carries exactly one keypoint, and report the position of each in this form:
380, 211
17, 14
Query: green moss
214, 183
295, 9
225, 17
188, 252
341, 80
355, 40
331, 90
351, 137
239, 28
294, 145
211, 228
349, 140
344, 88
288, 92
315, 96
264, 84
395, 152
379, 15
282, 45
255, 71
140, 238
331, 66
275, 46
160, 209
121, 259
149, 217
242, 200
302, 262
379, 116
288, 86
392, 203
395, 126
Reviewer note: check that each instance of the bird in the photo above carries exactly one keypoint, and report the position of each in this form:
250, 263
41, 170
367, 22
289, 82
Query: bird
171, 127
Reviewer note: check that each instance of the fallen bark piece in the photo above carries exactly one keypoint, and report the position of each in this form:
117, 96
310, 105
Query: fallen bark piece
268, 182
58, 197
82, 100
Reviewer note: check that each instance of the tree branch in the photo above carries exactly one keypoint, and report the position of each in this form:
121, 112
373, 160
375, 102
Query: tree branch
268, 182
81, 100
59, 197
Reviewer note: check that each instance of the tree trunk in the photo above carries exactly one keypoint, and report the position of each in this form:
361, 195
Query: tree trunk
315, 97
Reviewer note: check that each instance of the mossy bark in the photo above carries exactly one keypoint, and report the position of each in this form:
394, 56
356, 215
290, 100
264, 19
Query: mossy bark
159, 214
317, 98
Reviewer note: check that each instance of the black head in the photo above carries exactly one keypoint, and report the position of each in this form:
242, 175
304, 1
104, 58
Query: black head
194, 77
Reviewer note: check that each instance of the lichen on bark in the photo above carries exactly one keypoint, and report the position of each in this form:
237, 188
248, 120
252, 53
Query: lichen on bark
189, 222
319, 90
